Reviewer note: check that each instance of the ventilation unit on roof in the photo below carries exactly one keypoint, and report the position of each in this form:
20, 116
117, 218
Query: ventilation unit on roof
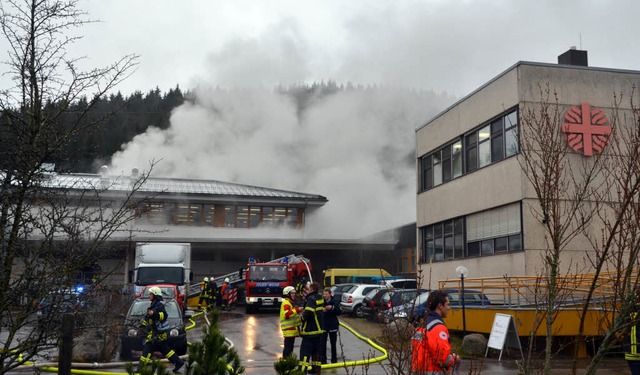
573, 57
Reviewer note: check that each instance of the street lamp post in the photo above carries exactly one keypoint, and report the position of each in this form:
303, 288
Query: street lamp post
462, 272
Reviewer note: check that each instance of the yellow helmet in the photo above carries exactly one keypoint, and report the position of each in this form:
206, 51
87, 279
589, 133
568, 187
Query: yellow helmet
156, 291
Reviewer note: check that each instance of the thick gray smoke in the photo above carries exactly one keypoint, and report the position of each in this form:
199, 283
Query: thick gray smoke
356, 147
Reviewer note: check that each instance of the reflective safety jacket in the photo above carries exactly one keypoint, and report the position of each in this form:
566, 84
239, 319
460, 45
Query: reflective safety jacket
430, 347
633, 354
156, 322
204, 290
289, 319
312, 320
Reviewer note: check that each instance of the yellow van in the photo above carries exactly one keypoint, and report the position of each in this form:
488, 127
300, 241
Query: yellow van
334, 276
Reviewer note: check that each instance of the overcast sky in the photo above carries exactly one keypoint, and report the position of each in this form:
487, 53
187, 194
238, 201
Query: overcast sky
444, 45
355, 148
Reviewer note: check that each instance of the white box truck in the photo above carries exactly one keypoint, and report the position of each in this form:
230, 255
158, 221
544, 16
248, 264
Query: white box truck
162, 263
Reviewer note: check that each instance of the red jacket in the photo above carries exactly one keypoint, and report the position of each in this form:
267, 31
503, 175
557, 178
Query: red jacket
430, 347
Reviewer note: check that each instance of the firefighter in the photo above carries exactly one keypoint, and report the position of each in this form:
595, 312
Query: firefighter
430, 345
212, 293
156, 340
289, 320
224, 294
312, 328
632, 354
204, 293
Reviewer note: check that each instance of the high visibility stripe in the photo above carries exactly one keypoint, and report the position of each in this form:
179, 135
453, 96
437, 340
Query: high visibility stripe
170, 354
289, 323
433, 323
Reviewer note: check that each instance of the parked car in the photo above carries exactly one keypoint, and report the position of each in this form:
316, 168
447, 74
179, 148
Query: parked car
417, 308
60, 302
133, 334
169, 291
401, 283
338, 289
351, 301
389, 300
471, 298
414, 310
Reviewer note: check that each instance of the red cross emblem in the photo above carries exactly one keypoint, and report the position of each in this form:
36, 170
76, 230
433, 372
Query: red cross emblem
587, 129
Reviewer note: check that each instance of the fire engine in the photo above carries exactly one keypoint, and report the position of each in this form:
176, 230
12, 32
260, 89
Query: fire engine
265, 281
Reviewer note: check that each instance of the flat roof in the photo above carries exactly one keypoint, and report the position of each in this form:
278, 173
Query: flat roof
531, 63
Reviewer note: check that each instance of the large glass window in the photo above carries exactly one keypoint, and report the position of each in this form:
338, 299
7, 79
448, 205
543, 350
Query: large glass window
443, 241
437, 168
484, 147
490, 143
486, 233
511, 133
188, 214
471, 142
456, 159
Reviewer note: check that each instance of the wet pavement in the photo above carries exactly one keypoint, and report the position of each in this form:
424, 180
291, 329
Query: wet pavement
259, 343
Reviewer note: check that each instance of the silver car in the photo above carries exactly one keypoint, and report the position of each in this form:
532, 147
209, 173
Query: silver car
351, 301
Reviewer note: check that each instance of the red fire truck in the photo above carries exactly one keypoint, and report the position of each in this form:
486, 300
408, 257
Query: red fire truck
264, 281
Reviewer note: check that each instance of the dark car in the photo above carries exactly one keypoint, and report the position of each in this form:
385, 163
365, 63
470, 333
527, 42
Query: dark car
471, 298
417, 308
412, 311
133, 334
60, 302
388, 299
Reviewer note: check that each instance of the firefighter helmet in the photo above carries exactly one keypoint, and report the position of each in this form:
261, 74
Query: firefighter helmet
206, 279
226, 280
156, 291
287, 290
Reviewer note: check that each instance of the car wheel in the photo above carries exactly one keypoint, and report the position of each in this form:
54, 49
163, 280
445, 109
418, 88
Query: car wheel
358, 311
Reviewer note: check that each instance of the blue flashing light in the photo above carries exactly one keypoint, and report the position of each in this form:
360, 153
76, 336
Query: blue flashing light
79, 289
285, 260
252, 260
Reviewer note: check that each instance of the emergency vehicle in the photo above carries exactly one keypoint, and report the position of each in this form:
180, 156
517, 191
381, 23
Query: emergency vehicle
264, 282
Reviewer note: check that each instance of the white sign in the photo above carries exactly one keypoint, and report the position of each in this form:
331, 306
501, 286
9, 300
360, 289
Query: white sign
503, 331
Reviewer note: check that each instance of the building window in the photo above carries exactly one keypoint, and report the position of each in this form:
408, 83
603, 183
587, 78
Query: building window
208, 215
230, 216
443, 241
511, 134
489, 232
437, 168
490, 143
456, 159
484, 147
188, 214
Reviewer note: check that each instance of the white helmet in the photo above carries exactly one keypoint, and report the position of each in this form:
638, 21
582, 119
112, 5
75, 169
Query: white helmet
155, 291
206, 279
226, 280
287, 290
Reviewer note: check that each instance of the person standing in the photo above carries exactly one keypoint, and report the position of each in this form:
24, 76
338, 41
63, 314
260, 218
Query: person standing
430, 345
289, 320
632, 356
204, 293
156, 340
330, 311
312, 329
224, 293
212, 292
